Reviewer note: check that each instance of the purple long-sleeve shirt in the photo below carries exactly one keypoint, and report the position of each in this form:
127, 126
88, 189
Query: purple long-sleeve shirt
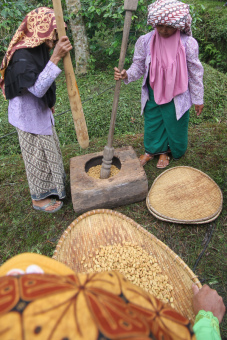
141, 64
28, 112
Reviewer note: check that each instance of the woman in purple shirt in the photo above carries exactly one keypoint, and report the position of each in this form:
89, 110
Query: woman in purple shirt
167, 58
28, 75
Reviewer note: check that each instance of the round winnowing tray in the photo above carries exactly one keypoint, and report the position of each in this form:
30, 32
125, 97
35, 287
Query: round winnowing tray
102, 227
184, 195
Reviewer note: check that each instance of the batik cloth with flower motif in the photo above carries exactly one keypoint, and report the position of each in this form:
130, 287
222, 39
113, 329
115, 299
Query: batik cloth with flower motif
35, 29
85, 306
171, 13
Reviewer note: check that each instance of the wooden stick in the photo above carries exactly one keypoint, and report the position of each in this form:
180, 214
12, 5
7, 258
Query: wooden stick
108, 153
73, 91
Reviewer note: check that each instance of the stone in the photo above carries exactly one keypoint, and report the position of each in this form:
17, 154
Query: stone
130, 185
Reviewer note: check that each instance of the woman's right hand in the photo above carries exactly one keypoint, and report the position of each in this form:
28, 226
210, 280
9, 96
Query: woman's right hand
120, 75
61, 49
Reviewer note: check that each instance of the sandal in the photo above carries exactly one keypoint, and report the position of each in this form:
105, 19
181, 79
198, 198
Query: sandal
161, 164
51, 203
145, 158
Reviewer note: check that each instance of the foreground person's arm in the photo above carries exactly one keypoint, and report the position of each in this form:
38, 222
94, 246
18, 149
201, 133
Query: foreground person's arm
209, 309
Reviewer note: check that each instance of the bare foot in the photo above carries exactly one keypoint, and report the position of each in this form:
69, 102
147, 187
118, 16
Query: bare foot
41, 203
163, 161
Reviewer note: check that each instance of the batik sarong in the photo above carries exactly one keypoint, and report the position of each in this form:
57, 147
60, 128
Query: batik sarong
43, 163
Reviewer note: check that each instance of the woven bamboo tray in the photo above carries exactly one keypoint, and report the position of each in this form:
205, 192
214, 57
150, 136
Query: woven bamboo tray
102, 227
185, 195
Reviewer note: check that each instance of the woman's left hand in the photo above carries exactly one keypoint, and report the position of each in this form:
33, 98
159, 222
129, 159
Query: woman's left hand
199, 109
208, 299
61, 49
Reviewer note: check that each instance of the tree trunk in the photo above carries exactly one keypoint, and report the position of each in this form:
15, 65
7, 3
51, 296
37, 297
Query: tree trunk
79, 36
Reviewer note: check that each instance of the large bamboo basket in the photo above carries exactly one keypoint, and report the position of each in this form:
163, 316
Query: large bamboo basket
185, 195
102, 227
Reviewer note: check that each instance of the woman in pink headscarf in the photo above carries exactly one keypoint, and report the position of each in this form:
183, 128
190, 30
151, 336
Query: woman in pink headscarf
167, 57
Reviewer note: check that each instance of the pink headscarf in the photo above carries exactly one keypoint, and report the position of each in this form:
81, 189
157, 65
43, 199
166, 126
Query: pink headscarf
168, 69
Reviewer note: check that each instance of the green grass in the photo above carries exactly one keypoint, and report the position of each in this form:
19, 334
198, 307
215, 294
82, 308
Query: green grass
97, 106
23, 229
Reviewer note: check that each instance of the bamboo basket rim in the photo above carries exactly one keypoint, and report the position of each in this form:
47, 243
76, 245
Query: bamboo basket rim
184, 221
172, 220
165, 248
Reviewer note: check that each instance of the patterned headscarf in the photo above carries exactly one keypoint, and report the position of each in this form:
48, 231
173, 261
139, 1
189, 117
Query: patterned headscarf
172, 13
42, 298
35, 29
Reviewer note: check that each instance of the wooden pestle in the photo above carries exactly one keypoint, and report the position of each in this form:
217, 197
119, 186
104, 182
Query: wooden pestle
108, 153
73, 91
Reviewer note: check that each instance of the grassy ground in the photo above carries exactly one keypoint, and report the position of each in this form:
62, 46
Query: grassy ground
25, 230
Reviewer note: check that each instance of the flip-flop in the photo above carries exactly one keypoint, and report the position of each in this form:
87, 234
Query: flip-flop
51, 203
145, 158
163, 166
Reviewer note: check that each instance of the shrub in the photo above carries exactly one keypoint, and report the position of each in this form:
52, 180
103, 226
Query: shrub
211, 34
104, 22
11, 15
